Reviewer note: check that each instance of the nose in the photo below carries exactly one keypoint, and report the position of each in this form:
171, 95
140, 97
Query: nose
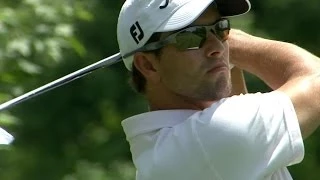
214, 47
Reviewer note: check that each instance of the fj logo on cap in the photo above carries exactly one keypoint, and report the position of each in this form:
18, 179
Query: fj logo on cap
136, 32
165, 5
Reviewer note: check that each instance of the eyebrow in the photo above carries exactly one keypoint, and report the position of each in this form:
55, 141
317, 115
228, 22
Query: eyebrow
162, 36
217, 19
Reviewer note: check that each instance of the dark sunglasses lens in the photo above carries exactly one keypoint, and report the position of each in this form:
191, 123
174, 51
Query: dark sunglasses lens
222, 29
191, 38
194, 37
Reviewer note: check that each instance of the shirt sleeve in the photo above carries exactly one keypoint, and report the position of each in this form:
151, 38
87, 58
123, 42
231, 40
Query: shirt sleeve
5, 137
252, 134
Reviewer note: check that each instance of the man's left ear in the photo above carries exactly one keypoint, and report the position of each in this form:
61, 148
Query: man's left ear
148, 65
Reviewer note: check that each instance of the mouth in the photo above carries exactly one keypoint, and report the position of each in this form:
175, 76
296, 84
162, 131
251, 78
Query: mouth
218, 67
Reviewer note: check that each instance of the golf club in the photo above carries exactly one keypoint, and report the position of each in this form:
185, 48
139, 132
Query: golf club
63, 80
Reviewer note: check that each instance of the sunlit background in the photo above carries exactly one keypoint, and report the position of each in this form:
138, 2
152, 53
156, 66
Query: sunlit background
74, 131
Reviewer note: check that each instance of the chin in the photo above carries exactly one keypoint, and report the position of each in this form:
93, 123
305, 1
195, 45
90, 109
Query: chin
222, 89
214, 94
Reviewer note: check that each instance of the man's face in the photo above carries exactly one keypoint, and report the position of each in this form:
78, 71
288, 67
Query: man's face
200, 74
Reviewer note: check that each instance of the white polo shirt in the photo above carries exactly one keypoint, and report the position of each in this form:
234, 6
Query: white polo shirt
246, 137
5, 137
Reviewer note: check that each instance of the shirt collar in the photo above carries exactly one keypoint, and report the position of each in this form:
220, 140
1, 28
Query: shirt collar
154, 120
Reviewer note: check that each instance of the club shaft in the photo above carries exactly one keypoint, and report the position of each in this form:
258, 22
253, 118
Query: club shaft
61, 81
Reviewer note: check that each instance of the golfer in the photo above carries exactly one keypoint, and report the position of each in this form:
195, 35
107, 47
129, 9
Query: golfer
180, 54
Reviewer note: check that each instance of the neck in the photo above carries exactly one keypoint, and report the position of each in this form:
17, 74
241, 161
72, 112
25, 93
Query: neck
163, 99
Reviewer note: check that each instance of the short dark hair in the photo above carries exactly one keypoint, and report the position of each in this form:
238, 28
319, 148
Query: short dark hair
137, 80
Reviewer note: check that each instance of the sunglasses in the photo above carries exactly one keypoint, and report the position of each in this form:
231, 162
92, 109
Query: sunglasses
190, 37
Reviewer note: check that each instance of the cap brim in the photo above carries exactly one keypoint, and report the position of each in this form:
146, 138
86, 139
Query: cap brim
189, 12
233, 7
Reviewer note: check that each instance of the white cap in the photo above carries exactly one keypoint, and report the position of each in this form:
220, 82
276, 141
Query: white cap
139, 19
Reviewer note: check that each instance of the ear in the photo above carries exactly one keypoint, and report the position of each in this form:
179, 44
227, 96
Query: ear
148, 65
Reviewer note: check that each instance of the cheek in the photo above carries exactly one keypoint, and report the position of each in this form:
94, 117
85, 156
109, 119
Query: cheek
226, 52
179, 65
173, 71
180, 70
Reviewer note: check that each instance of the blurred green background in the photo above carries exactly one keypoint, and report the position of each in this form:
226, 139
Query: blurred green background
74, 131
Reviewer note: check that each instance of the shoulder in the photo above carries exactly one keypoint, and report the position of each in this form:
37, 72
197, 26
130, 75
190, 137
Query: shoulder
251, 129
246, 107
246, 121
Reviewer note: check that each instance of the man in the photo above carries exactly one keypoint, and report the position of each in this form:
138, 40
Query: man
179, 52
